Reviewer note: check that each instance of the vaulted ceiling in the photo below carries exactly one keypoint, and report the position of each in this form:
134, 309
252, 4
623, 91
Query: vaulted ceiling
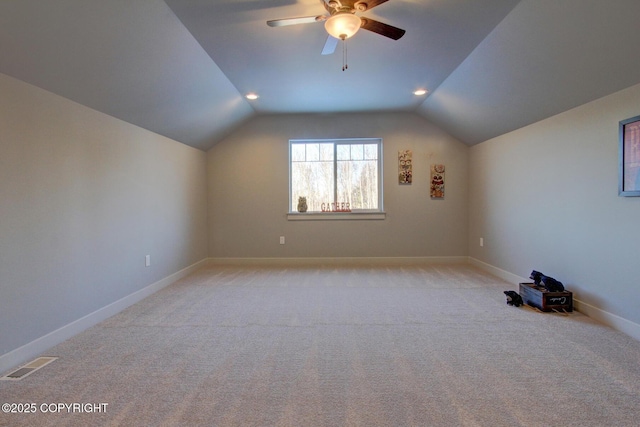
181, 68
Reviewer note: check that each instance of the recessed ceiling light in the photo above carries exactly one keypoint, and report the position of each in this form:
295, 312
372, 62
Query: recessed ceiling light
420, 92
251, 96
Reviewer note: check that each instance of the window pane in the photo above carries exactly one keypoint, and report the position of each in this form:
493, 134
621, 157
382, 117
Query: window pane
313, 180
371, 151
344, 152
357, 152
313, 152
326, 151
358, 183
298, 152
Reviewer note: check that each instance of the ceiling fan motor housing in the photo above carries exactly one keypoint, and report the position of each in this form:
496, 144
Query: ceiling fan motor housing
360, 6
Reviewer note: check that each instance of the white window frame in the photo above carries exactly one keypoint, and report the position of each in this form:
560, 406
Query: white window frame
374, 214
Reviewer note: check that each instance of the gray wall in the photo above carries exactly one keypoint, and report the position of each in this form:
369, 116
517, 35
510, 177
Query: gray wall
83, 198
248, 192
545, 197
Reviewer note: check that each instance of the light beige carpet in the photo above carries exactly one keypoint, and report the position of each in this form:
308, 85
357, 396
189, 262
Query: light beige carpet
432, 345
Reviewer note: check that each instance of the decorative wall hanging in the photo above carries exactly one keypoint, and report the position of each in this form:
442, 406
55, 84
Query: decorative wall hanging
437, 181
405, 171
629, 157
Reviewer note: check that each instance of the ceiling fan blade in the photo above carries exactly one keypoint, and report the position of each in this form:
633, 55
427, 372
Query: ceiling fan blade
382, 29
295, 21
330, 45
368, 4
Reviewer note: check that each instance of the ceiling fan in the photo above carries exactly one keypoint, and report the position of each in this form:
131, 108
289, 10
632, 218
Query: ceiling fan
342, 21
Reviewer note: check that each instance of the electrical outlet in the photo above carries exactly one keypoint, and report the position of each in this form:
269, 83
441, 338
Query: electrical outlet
282, 240
481, 241
147, 260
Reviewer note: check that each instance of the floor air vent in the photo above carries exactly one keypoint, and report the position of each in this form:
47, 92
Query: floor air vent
28, 369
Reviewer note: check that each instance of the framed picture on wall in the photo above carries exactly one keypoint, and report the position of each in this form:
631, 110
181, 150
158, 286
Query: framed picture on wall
629, 157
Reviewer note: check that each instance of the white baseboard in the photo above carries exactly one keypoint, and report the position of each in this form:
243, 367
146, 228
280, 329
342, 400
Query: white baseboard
616, 322
341, 260
39, 345
613, 321
498, 272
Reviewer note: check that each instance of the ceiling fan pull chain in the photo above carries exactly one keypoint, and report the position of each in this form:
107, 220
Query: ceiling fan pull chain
344, 55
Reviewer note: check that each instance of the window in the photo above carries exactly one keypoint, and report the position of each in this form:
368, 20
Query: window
336, 175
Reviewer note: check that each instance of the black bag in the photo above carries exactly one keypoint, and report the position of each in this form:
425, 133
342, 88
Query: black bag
549, 283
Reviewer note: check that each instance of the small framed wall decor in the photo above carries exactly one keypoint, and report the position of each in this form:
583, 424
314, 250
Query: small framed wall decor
437, 181
405, 167
629, 157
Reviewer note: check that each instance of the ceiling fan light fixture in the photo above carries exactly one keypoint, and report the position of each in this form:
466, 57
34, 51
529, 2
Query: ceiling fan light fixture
343, 25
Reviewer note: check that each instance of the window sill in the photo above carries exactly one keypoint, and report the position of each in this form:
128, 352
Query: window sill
335, 216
